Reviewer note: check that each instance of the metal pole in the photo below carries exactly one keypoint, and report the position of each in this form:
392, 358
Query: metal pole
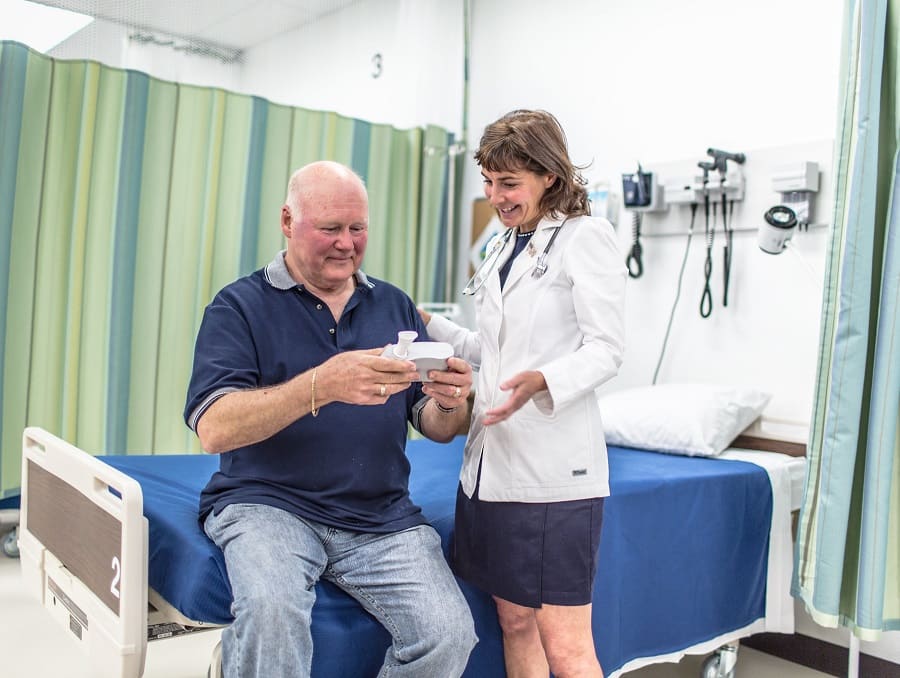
449, 254
453, 152
853, 660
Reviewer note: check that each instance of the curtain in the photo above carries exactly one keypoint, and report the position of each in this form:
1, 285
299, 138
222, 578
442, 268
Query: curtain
126, 203
847, 565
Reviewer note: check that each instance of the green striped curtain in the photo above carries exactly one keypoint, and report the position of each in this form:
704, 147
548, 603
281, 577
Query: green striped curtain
847, 564
126, 202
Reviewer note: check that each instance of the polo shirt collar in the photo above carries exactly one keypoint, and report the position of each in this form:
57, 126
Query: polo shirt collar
277, 275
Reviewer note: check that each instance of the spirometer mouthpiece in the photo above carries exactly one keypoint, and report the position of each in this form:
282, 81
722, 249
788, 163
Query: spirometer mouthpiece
404, 339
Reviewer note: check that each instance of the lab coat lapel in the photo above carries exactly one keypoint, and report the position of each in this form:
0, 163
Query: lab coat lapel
492, 284
524, 263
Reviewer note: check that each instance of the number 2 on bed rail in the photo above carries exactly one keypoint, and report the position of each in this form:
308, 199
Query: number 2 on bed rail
117, 569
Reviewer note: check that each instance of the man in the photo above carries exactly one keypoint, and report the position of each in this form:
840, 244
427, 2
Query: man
312, 483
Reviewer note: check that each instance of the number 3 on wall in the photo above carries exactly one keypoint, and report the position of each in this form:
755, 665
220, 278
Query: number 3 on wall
376, 65
117, 574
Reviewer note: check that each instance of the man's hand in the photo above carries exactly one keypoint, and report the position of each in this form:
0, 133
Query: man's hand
245, 417
363, 378
523, 386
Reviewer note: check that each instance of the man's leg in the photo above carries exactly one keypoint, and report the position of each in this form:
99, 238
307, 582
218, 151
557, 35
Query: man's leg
273, 560
403, 580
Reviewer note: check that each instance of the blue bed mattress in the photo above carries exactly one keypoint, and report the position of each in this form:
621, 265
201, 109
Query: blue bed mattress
683, 556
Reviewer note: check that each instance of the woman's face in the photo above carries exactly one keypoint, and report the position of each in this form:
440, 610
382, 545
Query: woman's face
516, 195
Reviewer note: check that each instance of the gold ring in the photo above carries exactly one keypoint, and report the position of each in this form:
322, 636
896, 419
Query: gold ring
383, 390
458, 392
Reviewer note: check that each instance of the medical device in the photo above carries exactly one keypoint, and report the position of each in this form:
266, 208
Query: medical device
778, 229
797, 183
706, 297
427, 355
685, 190
493, 255
720, 159
718, 187
541, 266
799, 177
719, 165
639, 189
640, 192
488, 264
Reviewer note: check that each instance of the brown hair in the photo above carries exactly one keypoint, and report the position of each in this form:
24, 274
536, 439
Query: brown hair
535, 141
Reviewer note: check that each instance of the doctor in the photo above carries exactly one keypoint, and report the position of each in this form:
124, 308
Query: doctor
549, 299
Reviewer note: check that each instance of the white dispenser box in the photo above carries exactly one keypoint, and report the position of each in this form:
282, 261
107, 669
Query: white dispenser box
427, 355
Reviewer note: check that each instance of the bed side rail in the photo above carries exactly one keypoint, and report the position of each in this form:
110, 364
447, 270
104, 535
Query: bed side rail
83, 544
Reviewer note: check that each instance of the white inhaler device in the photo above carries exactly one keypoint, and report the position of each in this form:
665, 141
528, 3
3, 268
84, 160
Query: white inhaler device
427, 355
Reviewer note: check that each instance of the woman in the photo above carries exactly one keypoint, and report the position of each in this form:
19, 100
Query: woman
549, 301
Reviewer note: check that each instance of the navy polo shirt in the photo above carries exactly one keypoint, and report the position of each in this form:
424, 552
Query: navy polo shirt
346, 468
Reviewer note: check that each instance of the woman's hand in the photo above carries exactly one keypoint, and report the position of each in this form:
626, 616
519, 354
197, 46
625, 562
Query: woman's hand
523, 386
450, 387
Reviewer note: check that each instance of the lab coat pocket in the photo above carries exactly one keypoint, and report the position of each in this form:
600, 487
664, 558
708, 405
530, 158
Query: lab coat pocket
553, 451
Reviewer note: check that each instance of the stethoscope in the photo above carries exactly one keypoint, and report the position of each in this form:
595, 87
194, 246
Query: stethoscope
487, 265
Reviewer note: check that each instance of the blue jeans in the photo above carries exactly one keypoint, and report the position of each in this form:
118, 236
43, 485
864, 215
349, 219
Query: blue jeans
274, 559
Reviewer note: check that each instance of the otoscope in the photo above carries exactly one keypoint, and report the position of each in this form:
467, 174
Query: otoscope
706, 298
720, 161
720, 158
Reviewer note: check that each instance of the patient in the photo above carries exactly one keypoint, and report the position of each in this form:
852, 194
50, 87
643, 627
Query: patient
288, 385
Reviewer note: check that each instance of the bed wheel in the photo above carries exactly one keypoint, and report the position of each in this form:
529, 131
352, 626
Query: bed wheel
721, 663
215, 663
10, 544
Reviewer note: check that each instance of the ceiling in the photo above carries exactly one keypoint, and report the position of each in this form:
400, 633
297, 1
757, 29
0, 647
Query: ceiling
233, 24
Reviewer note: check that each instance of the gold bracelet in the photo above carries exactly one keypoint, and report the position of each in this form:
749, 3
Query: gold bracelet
442, 409
312, 399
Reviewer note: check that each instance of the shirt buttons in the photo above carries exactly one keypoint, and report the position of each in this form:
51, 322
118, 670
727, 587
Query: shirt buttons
318, 307
331, 331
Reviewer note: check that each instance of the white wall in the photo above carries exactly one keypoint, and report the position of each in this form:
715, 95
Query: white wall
329, 65
657, 81
110, 44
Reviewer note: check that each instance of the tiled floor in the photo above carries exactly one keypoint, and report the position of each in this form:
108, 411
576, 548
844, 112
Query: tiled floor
32, 645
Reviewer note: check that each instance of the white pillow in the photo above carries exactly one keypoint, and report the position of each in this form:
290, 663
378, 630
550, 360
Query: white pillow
689, 419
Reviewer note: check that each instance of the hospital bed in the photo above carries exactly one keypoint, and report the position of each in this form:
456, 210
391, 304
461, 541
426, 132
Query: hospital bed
695, 553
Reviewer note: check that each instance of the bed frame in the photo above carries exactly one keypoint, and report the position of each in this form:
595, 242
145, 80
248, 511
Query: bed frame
99, 591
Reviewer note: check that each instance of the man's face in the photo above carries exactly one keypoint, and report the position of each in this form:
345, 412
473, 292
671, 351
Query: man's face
327, 242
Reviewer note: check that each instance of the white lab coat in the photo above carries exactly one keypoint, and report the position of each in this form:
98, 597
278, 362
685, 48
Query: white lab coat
567, 324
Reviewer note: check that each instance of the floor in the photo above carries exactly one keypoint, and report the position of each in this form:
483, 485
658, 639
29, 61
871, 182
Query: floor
33, 646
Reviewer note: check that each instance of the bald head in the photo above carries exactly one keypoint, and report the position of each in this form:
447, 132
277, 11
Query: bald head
321, 177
